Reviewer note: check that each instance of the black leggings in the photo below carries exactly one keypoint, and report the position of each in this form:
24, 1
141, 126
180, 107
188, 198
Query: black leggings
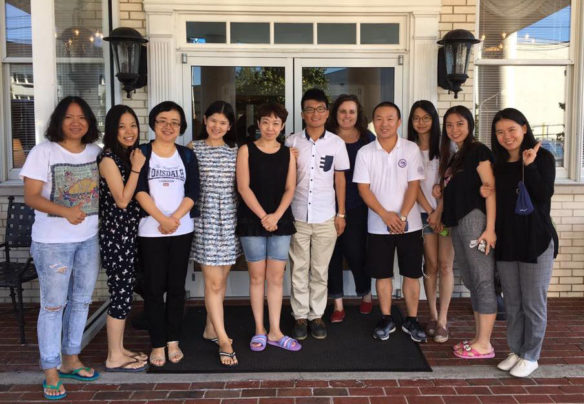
350, 245
165, 261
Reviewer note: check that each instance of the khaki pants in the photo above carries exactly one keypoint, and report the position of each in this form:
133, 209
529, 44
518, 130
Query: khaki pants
310, 252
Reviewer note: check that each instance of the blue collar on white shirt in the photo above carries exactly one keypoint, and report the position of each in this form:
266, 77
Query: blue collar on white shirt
309, 138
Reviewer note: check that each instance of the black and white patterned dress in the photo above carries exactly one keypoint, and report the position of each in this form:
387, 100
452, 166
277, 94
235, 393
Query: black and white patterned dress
118, 230
215, 242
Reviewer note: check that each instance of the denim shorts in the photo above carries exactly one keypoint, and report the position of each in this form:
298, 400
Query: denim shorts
427, 229
262, 248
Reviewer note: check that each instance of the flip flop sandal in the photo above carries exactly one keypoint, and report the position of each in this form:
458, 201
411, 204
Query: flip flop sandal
176, 356
228, 355
468, 352
212, 340
287, 343
140, 356
460, 345
53, 387
160, 358
74, 374
123, 369
258, 342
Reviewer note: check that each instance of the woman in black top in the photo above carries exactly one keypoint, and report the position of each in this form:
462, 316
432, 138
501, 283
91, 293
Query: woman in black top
266, 180
347, 120
527, 244
471, 220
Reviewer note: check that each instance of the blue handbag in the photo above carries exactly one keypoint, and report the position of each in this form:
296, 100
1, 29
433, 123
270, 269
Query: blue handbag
523, 206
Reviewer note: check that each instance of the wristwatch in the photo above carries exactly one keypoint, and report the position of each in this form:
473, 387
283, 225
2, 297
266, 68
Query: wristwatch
403, 218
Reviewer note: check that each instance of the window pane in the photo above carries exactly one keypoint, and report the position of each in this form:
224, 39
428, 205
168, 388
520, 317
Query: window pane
250, 32
21, 112
246, 88
18, 28
525, 30
370, 84
79, 28
544, 104
337, 33
206, 32
379, 34
293, 33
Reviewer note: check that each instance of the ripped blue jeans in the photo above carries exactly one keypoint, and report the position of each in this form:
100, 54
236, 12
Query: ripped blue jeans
67, 274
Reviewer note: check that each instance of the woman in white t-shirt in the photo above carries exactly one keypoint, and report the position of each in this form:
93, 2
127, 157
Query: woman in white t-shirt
168, 187
424, 129
61, 183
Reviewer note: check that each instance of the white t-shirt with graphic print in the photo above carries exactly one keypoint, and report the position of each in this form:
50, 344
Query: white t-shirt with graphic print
68, 180
166, 183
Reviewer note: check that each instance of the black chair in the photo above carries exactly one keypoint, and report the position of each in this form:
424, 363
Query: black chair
19, 222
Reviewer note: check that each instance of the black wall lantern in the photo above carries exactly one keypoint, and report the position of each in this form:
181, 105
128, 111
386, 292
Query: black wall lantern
129, 57
453, 59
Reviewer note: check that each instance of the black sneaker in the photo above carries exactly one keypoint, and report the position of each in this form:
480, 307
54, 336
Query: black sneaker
318, 328
412, 327
384, 327
301, 329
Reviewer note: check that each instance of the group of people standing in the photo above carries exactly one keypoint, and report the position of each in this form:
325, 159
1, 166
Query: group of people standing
333, 192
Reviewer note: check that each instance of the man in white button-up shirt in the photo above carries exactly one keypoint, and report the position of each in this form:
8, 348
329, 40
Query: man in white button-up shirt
388, 172
320, 180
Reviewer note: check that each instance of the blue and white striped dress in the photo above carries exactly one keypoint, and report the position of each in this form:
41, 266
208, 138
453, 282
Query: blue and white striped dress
215, 242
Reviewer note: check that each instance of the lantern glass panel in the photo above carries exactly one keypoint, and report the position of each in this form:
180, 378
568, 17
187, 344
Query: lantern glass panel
127, 54
461, 52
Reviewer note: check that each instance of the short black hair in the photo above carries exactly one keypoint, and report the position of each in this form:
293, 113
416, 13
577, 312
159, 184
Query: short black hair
387, 104
54, 131
167, 106
223, 108
110, 136
272, 109
315, 94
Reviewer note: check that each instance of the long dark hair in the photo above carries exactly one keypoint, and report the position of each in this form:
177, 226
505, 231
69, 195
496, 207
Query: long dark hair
429, 108
110, 136
445, 143
500, 153
332, 124
222, 107
54, 131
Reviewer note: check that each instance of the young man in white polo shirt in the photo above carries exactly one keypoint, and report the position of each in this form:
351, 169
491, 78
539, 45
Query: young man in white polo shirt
322, 158
388, 172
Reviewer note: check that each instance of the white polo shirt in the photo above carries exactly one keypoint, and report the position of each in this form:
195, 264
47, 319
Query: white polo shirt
314, 199
388, 175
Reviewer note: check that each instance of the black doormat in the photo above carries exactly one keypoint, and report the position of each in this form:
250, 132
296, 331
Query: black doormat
349, 346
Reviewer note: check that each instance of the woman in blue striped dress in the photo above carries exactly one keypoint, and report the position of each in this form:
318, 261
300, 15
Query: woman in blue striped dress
215, 245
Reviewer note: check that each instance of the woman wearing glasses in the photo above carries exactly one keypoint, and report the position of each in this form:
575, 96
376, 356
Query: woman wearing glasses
167, 190
424, 130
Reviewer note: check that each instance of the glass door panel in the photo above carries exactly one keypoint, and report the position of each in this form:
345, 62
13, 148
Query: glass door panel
245, 84
372, 81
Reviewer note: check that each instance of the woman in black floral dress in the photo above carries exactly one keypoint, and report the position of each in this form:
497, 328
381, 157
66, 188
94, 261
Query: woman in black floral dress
119, 165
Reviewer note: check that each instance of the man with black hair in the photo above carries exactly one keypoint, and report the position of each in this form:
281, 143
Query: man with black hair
322, 158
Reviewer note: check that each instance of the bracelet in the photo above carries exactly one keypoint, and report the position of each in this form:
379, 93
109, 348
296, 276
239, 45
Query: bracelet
341, 215
134, 171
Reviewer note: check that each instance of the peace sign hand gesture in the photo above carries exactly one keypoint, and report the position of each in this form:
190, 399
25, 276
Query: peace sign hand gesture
530, 154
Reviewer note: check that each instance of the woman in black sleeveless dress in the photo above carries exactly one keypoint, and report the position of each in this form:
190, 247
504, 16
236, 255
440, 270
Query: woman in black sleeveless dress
266, 180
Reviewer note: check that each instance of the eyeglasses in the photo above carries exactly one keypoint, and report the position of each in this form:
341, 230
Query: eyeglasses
425, 119
310, 110
172, 124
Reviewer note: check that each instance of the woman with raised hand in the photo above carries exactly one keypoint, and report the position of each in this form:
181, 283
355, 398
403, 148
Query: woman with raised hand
168, 191
527, 244
266, 180
215, 246
471, 222
120, 164
61, 183
347, 120
424, 130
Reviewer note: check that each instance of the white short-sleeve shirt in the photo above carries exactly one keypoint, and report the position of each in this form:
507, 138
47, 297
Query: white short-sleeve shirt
314, 199
69, 179
388, 175
432, 177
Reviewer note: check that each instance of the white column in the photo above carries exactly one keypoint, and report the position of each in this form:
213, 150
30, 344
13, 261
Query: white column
424, 57
161, 60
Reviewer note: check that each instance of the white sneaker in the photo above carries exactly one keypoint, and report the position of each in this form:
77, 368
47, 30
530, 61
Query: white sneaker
508, 363
524, 368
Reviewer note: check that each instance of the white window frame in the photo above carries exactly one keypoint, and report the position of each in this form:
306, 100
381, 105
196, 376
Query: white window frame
44, 62
574, 120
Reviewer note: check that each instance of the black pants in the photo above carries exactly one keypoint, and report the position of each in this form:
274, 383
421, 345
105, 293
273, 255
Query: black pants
165, 261
351, 246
